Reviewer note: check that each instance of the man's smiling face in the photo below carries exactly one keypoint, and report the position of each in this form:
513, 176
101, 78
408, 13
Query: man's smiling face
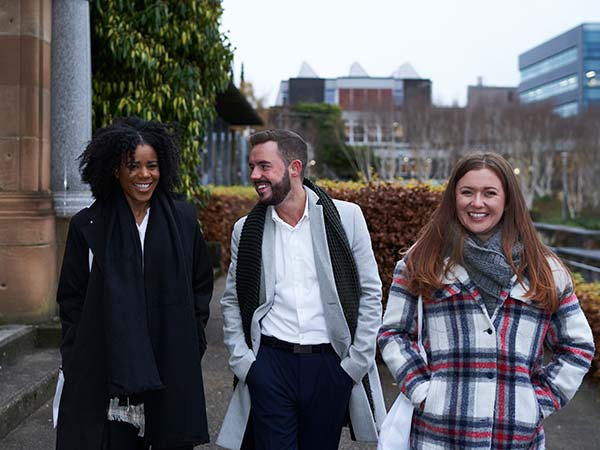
269, 173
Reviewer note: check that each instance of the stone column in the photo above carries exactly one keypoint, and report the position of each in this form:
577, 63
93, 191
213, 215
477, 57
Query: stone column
27, 225
71, 110
71, 103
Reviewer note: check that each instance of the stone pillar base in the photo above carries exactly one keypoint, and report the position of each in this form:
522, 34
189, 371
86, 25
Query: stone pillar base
69, 203
27, 257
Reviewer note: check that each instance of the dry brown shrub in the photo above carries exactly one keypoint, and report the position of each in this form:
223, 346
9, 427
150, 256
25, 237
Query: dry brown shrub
225, 207
395, 214
589, 298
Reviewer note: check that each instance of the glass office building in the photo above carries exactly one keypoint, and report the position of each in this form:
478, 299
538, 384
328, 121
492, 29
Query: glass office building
564, 70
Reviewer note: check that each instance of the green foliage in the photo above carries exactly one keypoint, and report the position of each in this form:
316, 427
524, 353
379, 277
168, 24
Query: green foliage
160, 60
547, 209
324, 127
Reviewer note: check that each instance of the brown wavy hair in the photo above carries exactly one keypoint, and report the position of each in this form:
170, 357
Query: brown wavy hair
444, 237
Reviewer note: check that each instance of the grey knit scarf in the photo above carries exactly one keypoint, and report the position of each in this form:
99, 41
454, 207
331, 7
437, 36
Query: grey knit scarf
488, 267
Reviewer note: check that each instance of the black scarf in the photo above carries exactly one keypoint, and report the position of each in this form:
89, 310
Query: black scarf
131, 289
249, 264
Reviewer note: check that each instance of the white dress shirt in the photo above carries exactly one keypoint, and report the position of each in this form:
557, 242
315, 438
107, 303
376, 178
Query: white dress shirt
297, 312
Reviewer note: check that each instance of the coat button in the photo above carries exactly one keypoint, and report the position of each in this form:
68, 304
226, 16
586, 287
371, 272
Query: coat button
489, 331
490, 375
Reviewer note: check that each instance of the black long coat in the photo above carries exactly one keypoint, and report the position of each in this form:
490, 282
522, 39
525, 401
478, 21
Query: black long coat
84, 401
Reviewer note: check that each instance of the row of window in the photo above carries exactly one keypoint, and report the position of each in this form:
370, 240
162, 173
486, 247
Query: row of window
591, 49
548, 90
567, 110
591, 36
331, 97
360, 133
553, 62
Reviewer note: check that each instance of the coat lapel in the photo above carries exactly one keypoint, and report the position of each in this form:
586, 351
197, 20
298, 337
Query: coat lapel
93, 232
321, 250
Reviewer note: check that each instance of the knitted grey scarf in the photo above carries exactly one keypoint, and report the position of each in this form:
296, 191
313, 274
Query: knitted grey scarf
488, 267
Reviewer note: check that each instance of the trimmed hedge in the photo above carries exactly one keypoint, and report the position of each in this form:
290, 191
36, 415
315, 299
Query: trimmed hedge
225, 206
589, 298
395, 213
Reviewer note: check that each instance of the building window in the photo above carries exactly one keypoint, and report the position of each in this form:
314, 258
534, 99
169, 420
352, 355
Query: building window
592, 94
553, 62
398, 97
372, 133
330, 96
398, 132
591, 36
359, 133
567, 110
548, 90
386, 134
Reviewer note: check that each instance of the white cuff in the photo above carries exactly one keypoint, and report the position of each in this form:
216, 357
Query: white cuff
420, 393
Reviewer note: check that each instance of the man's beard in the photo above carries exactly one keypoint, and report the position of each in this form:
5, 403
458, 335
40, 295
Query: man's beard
279, 191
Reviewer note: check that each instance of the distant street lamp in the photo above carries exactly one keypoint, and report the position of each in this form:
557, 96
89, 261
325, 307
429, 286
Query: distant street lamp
564, 146
564, 155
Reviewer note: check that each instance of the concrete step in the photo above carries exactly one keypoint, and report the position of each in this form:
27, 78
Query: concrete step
34, 433
25, 385
49, 334
15, 340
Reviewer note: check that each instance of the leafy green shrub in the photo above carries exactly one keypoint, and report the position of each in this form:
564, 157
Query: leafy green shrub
160, 60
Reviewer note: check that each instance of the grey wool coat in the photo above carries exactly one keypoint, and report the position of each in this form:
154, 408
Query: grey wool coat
357, 357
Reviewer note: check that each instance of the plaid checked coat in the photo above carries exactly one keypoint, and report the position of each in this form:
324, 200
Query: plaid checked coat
486, 385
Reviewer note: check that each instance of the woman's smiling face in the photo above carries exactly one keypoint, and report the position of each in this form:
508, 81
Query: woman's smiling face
480, 202
139, 176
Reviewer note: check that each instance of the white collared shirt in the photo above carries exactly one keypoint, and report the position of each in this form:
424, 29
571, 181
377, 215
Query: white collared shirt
142, 229
297, 311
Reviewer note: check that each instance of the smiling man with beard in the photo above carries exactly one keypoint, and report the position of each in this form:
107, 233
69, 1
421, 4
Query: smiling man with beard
301, 309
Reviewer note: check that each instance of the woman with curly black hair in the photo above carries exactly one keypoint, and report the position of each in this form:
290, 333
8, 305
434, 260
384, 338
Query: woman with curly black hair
133, 294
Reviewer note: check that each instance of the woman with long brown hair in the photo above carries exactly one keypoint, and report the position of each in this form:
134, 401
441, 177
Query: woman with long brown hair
493, 297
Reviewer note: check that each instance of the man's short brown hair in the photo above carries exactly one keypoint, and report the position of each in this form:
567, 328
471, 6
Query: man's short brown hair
291, 145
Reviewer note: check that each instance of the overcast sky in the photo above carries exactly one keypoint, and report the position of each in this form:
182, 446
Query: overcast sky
451, 42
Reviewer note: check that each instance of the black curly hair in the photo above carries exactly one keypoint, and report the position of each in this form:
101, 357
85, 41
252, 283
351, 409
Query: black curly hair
115, 144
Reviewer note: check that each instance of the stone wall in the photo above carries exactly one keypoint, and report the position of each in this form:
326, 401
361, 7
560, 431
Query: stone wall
27, 220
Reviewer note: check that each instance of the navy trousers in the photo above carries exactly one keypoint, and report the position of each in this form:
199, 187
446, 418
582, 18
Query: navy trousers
299, 401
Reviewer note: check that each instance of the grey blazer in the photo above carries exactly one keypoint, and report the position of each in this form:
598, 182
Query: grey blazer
357, 359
